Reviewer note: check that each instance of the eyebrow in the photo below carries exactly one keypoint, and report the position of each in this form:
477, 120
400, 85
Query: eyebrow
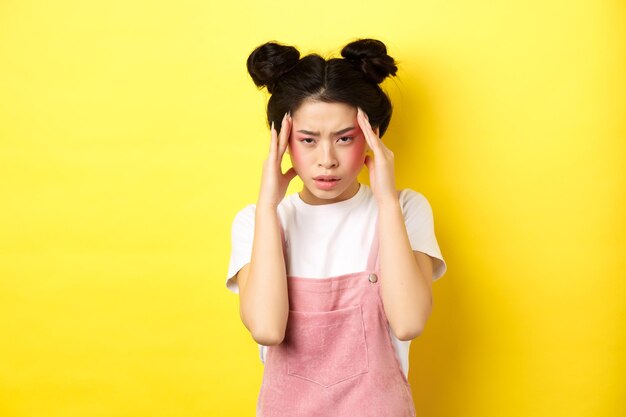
308, 132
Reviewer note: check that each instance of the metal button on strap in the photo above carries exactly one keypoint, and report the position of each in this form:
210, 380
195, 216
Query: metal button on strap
373, 278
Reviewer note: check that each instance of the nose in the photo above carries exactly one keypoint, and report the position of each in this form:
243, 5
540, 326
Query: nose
327, 158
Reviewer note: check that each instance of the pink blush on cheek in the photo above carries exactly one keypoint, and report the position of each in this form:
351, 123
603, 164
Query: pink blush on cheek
293, 150
356, 155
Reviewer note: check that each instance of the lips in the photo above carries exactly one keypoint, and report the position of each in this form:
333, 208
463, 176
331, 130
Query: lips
326, 182
326, 178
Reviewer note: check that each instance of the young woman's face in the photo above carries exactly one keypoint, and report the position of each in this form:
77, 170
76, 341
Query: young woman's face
326, 140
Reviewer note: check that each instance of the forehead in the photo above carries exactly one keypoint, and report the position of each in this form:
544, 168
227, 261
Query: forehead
318, 115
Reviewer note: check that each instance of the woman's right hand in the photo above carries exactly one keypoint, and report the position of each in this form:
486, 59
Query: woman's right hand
273, 182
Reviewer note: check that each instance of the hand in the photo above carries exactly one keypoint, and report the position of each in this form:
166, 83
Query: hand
273, 182
381, 167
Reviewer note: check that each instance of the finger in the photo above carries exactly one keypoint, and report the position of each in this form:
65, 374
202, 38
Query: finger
369, 161
366, 128
273, 141
379, 146
290, 174
285, 131
369, 129
362, 126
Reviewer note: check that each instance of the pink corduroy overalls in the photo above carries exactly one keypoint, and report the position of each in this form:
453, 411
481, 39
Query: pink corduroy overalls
337, 358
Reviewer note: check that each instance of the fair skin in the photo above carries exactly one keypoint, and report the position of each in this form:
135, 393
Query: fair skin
326, 139
331, 139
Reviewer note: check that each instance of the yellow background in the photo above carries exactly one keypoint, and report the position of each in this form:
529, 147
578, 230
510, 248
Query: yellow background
131, 134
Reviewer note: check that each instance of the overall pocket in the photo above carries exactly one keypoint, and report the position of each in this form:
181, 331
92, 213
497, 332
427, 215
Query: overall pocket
326, 347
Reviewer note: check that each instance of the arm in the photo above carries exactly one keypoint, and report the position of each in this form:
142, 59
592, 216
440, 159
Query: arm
406, 284
406, 287
263, 299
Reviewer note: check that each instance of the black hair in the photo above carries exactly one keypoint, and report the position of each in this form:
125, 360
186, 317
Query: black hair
353, 79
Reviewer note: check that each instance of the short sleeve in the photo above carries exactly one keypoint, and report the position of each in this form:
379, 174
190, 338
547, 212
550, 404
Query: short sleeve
418, 218
242, 235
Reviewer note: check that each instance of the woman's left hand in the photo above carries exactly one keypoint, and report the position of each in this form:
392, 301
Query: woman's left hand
381, 167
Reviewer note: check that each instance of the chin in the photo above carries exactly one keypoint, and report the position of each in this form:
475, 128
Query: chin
328, 194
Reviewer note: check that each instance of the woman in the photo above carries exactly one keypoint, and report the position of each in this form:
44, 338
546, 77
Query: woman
332, 303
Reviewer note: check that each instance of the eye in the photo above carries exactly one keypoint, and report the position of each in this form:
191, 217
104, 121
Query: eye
305, 139
349, 139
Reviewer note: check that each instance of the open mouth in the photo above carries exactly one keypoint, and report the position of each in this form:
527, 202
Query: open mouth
326, 183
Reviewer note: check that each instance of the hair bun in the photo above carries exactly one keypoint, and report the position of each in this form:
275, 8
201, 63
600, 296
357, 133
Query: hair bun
268, 62
370, 56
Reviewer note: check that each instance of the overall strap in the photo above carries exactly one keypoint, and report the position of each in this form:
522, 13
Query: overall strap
282, 239
373, 260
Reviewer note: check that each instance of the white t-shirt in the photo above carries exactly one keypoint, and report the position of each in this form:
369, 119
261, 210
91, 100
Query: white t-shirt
333, 239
